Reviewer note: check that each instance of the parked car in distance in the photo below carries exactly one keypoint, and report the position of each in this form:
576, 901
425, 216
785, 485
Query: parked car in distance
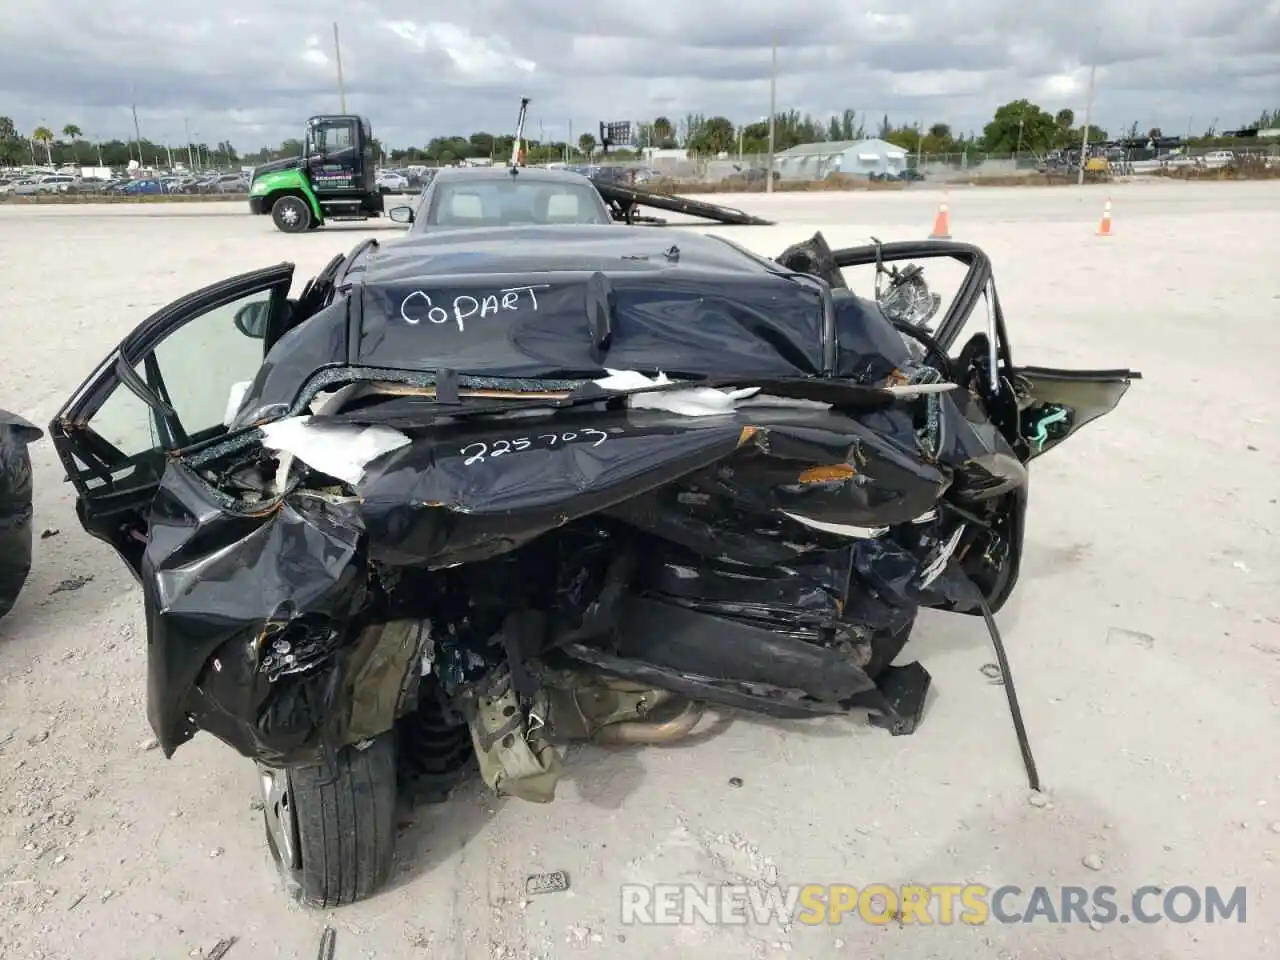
391, 182
144, 187
87, 185
752, 175
49, 183
230, 183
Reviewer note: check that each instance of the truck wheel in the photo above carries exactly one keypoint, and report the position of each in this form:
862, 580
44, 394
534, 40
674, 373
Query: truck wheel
291, 214
331, 827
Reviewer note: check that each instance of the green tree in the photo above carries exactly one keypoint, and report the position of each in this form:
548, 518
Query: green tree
850, 128
714, 135
1063, 123
44, 135
1266, 120
73, 133
663, 132
1019, 125
10, 143
587, 144
939, 139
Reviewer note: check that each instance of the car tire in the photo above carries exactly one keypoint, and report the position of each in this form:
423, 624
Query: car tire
331, 826
291, 214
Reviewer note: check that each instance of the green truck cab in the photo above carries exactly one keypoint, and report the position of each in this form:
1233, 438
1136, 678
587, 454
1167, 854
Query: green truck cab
334, 179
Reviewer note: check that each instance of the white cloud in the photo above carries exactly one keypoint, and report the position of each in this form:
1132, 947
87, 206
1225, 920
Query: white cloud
251, 72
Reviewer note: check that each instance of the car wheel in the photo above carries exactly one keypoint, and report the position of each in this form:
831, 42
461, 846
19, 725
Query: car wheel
291, 214
331, 826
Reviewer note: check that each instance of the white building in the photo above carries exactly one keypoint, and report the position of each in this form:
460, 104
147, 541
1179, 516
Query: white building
857, 158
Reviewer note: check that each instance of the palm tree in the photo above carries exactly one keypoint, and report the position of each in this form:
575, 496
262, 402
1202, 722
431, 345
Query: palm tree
45, 135
662, 130
73, 133
587, 144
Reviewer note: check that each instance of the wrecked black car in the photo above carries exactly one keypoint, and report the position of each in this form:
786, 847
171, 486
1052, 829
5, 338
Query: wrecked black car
16, 434
475, 494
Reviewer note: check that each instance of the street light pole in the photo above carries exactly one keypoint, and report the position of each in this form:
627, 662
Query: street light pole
1088, 110
337, 59
773, 111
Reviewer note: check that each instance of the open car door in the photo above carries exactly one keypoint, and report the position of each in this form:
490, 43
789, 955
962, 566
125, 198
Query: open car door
1053, 404
172, 384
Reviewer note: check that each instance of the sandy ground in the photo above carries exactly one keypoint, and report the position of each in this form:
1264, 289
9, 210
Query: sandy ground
1145, 641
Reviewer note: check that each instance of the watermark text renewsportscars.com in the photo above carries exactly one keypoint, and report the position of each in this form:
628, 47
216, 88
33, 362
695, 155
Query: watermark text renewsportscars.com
928, 904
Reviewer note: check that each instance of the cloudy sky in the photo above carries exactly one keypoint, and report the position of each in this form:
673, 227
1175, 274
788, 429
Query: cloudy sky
252, 70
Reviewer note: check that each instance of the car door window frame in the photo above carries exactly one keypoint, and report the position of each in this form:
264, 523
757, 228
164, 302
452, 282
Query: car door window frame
87, 455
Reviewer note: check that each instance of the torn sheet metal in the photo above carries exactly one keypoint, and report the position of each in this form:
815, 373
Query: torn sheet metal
15, 505
222, 587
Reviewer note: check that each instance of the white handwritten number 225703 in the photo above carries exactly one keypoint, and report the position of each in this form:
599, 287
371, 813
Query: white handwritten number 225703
479, 451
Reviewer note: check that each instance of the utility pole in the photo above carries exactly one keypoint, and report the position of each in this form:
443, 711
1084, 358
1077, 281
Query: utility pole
191, 161
773, 111
1088, 111
137, 132
337, 58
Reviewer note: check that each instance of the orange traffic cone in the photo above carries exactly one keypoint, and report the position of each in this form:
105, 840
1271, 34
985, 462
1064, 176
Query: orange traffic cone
941, 223
1104, 225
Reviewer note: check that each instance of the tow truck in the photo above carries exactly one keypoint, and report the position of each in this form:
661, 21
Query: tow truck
335, 178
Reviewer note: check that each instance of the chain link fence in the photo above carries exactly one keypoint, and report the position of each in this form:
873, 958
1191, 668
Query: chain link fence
814, 164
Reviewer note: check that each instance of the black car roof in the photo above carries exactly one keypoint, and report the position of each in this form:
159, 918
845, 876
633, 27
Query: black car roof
612, 248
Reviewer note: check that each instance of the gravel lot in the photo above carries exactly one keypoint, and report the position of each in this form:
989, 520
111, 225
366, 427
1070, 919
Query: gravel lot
1145, 642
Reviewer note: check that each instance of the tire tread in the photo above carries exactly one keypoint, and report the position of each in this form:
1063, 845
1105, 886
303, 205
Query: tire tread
345, 810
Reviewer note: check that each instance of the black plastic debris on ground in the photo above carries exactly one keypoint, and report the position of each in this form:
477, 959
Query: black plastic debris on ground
16, 434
